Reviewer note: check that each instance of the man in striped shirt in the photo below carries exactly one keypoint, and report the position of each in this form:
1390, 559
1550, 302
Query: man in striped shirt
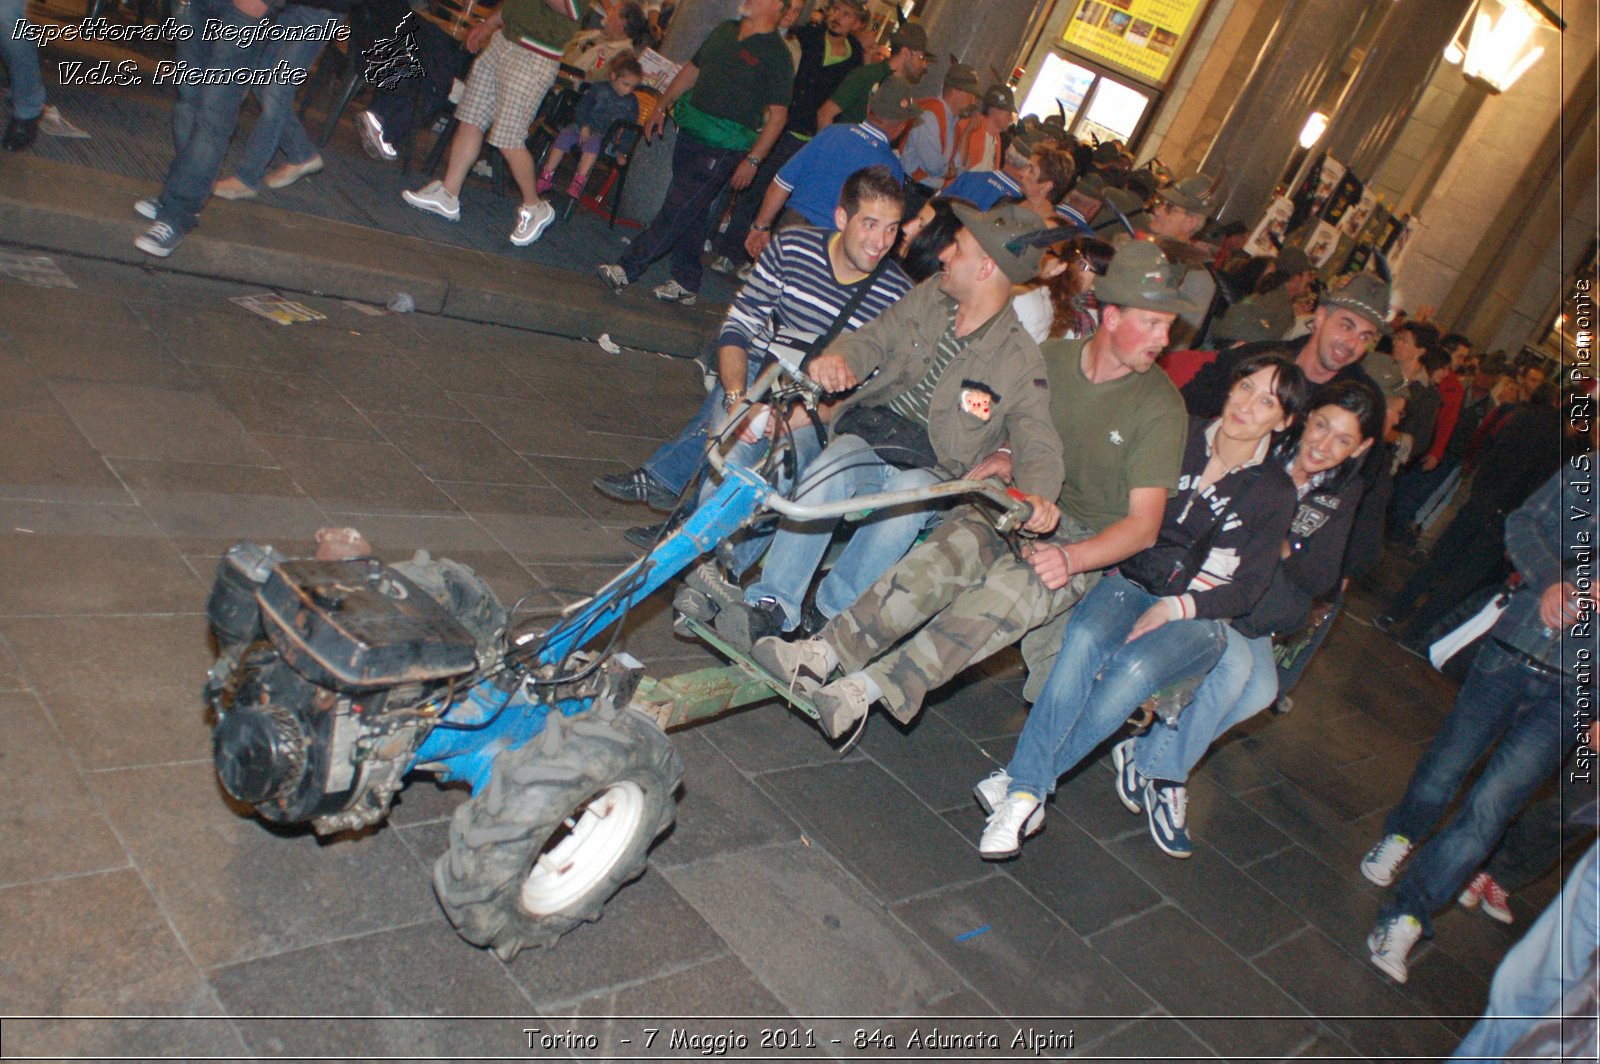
800, 284
950, 363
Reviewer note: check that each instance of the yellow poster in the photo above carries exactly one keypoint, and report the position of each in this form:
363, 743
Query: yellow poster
1140, 36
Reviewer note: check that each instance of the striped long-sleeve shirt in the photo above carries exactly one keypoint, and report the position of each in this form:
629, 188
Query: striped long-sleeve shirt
792, 297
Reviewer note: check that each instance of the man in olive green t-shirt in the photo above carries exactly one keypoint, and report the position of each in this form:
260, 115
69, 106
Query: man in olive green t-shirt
730, 103
908, 58
963, 595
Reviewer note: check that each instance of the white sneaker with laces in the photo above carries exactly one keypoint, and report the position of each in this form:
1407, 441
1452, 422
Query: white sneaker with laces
1390, 943
147, 208
613, 275
673, 292
436, 199
1381, 861
991, 791
532, 222
1018, 815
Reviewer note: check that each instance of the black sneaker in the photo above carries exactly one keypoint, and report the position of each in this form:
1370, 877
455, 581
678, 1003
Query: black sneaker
637, 486
741, 623
159, 240
812, 620
645, 537
20, 134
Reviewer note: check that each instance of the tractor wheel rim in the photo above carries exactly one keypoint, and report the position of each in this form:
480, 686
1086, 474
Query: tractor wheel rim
585, 850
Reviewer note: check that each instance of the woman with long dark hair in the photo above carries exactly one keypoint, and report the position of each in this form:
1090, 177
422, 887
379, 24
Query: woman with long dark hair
1344, 422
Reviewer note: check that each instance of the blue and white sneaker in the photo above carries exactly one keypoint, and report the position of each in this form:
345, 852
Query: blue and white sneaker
1167, 809
1130, 785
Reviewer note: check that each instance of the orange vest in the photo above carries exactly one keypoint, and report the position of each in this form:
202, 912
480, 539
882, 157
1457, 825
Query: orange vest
945, 120
970, 136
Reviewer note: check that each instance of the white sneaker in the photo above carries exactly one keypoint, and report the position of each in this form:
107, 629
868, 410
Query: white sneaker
1018, 815
372, 141
1129, 783
991, 792
1381, 861
615, 276
1390, 943
436, 199
147, 208
673, 292
532, 222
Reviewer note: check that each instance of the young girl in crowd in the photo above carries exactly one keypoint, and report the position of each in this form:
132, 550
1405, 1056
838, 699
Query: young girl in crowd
599, 107
1160, 617
1346, 418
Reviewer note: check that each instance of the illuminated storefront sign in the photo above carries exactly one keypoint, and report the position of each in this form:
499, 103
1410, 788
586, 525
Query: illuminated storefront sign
1141, 37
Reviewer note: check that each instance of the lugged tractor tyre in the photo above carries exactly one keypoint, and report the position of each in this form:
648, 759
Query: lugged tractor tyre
565, 820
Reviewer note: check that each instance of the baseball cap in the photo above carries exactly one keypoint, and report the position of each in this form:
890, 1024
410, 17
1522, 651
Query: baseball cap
1007, 234
893, 99
911, 35
1141, 277
858, 6
1365, 295
962, 77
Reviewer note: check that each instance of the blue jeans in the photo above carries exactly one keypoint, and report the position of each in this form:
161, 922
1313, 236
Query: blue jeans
846, 468
194, 168
191, 51
699, 172
278, 127
745, 547
1242, 684
678, 460
1505, 701
1099, 679
1535, 840
1551, 959
22, 60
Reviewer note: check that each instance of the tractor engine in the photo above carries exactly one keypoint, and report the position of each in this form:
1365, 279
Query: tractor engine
330, 674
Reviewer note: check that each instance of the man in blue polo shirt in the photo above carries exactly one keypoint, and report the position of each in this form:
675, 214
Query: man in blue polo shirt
810, 182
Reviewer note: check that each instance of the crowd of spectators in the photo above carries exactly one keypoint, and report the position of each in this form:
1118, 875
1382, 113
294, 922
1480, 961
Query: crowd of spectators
987, 296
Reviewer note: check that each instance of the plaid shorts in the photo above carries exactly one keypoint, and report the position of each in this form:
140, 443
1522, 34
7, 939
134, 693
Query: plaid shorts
504, 90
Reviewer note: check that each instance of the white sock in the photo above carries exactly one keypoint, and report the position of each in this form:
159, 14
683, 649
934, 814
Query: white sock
874, 692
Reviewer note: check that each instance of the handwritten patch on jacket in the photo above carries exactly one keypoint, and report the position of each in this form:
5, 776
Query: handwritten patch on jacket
978, 399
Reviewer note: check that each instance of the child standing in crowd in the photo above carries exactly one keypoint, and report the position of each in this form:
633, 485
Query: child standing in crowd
599, 108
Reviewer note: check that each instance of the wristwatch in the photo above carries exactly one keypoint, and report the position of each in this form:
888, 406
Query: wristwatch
731, 399
759, 228
753, 160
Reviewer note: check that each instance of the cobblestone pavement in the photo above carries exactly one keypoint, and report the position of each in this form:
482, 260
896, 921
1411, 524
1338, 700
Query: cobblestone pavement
151, 422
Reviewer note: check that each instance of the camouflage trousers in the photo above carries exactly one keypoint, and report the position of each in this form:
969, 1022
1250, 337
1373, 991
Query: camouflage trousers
957, 598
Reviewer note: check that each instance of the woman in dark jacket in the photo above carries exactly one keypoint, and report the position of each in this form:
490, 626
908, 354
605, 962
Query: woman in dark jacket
1160, 617
1345, 421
